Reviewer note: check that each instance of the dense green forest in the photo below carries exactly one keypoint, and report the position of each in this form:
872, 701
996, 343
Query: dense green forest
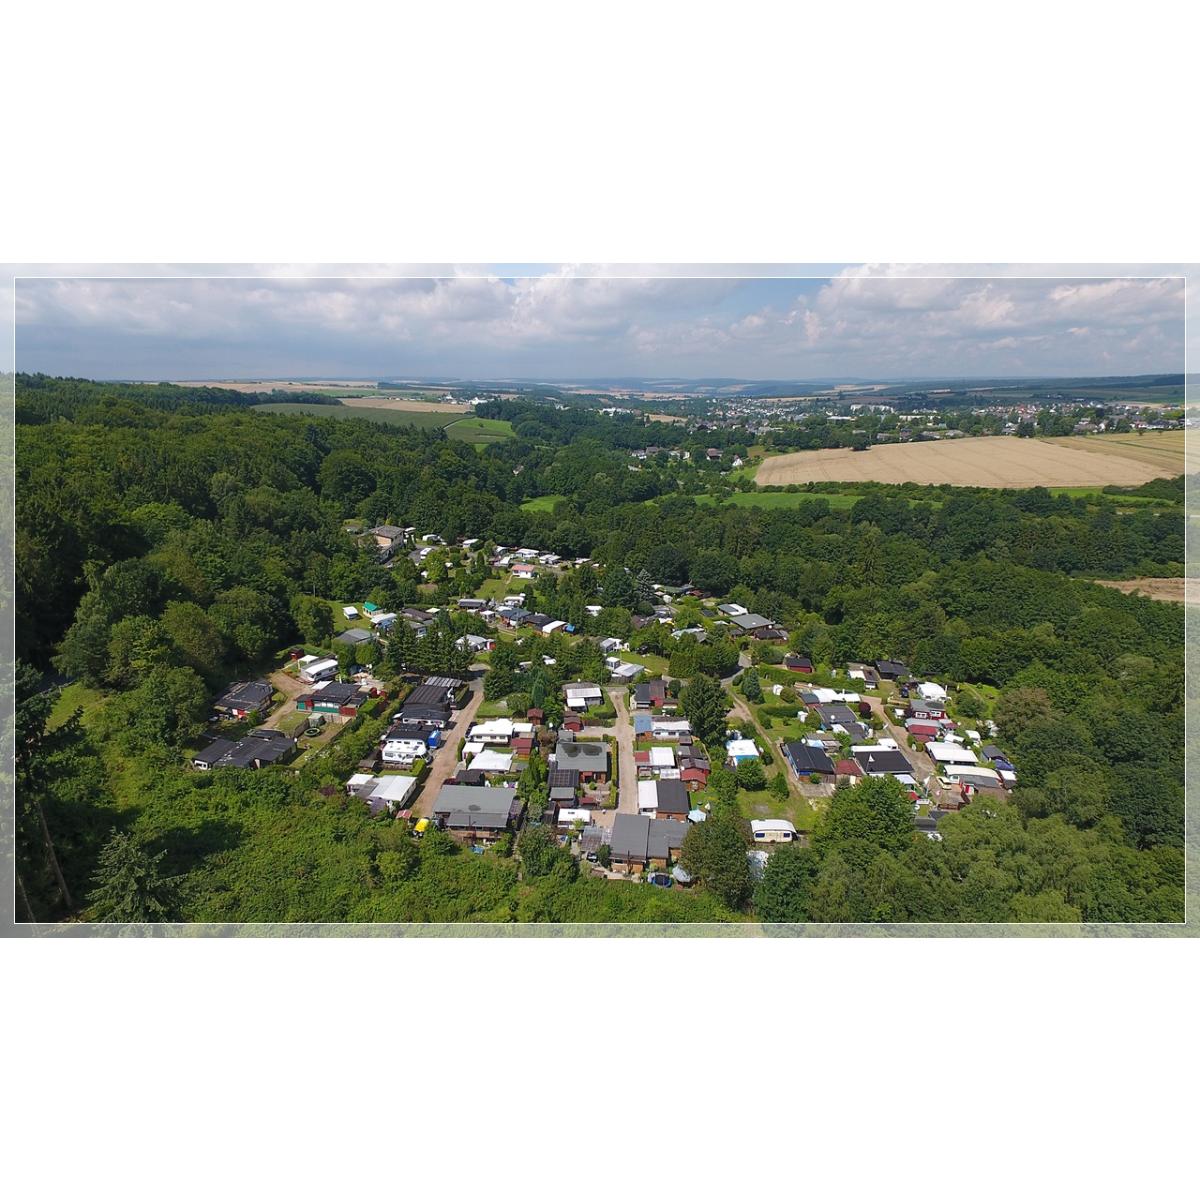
169, 539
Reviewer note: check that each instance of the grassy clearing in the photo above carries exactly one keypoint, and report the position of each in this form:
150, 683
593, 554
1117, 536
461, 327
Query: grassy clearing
73, 696
1077, 493
542, 503
479, 431
385, 416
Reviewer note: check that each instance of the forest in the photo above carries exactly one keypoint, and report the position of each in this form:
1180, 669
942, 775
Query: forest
170, 540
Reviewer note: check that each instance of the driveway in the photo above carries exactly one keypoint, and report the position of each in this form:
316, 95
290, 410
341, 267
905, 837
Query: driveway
446, 757
622, 730
922, 765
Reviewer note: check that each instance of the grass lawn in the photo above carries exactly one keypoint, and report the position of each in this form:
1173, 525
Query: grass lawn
755, 806
492, 708
479, 431
542, 503
384, 416
497, 589
837, 500
1088, 492
654, 663
73, 696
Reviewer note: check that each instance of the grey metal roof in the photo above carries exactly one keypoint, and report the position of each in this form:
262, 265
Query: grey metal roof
664, 837
630, 836
587, 756
673, 796
454, 797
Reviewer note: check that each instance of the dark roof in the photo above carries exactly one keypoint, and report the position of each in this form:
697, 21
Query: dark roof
214, 751
808, 760
339, 693
563, 777
630, 836
836, 714
672, 796
252, 693
890, 667
587, 756
877, 762
354, 637
796, 660
665, 836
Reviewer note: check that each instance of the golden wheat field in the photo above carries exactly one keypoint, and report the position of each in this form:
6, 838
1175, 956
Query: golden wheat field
1123, 459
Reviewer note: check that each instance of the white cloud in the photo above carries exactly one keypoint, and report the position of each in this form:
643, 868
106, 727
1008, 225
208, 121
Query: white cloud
579, 320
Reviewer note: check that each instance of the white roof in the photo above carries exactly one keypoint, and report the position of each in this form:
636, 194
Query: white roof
393, 788
497, 727
320, 664
472, 748
349, 611
662, 756
948, 752
358, 780
554, 626
589, 691
681, 726
772, 825
932, 691
306, 659
647, 794
379, 618
491, 760
969, 774
697, 815
568, 816
741, 748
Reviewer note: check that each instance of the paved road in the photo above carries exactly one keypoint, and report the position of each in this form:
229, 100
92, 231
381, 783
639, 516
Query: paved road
446, 758
626, 767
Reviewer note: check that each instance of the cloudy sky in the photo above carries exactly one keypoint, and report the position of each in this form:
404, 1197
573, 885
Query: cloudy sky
571, 323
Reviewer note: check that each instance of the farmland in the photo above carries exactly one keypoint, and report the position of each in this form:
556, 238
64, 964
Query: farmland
1004, 462
453, 418
1174, 589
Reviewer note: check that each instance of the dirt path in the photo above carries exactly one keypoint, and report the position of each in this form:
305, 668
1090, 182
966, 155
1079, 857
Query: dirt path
446, 757
622, 731
1176, 590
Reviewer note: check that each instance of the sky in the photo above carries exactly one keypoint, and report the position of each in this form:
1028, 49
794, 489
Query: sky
564, 323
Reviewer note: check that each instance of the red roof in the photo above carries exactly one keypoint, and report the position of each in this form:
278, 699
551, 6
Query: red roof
641, 756
522, 744
847, 766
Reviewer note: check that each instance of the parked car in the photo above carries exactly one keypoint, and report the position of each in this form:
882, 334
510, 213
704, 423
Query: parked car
659, 879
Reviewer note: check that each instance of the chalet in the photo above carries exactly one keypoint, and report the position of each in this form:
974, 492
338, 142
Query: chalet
334, 699
748, 622
471, 603
639, 841
239, 700
354, 637
923, 731
739, 750
671, 730
418, 615
524, 570
492, 762
947, 754
476, 643
625, 672
497, 731
889, 668
651, 694
834, 714
590, 759
807, 760
535, 716
732, 610
862, 671
847, 768
563, 783
387, 538
798, 663
582, 696
925, 710
386, 793
769, 633
673, 803
426, 707
477, 814
876, 761
259, 748
522, 745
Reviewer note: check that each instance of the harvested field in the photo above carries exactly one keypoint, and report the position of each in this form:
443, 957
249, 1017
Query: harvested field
1173, 589
1001, 462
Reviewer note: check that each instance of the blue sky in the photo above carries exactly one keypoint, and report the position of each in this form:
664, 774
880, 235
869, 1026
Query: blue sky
565, 323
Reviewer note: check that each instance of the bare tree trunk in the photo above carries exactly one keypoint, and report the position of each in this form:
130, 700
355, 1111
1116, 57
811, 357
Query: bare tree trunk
25, 898
62, 883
